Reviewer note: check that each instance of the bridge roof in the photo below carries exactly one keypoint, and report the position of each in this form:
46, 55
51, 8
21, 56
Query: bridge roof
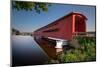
76, 13
55, 22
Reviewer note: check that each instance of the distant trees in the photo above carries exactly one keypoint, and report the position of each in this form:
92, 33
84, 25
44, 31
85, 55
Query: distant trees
29, 6
15, 31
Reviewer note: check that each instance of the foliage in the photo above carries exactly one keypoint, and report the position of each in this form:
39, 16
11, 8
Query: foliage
15, 31
87, 52
29, 6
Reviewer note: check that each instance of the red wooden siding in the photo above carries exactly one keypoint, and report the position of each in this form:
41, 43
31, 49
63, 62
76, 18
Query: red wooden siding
64, 27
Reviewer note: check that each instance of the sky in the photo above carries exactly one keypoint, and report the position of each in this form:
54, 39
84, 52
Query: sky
29, 21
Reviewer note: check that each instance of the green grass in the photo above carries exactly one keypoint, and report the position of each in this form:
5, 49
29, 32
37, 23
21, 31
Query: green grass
86, 52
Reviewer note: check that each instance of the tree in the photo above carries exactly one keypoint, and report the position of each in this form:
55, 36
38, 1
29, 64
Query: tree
15, 31
29, 6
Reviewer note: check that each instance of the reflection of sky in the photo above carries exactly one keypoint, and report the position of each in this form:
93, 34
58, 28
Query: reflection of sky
30, 20
25, 51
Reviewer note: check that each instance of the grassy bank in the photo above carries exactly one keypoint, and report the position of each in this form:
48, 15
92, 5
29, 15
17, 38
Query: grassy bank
86, 52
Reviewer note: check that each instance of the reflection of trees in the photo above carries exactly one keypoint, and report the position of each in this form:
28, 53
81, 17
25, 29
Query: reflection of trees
29, 6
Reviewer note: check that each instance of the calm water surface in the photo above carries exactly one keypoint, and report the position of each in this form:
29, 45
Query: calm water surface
25, 51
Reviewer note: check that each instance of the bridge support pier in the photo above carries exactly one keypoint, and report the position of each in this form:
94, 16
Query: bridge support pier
60, 44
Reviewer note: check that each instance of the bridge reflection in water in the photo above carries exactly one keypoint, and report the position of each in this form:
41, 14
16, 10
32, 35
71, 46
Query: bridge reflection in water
47, 45
50, 46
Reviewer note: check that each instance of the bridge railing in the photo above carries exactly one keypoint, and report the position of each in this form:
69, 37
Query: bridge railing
84, 34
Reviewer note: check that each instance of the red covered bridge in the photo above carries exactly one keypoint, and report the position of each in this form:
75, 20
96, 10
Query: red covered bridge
63, 29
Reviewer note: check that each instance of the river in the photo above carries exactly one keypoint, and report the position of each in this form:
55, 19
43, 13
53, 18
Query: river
25, 51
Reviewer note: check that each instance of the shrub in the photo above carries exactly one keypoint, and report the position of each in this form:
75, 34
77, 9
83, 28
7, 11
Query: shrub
87, 51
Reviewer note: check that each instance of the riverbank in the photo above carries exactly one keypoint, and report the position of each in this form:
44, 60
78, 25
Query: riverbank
85, 53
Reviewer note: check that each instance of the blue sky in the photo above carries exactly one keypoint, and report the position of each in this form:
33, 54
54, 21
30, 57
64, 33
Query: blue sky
29, 21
